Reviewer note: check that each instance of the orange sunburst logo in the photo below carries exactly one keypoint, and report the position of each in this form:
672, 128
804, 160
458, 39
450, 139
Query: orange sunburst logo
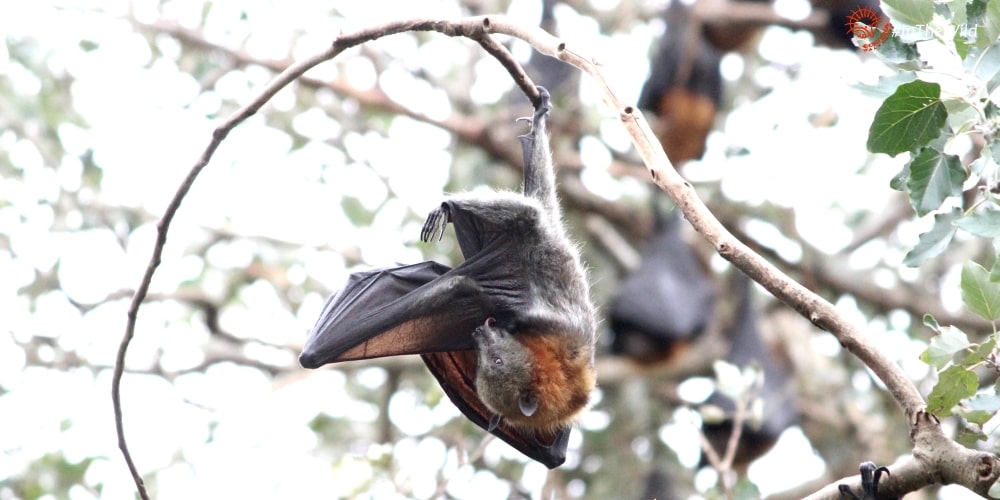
862, 23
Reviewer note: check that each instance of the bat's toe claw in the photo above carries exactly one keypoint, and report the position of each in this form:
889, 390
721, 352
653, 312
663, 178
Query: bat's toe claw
541, 111
544, 104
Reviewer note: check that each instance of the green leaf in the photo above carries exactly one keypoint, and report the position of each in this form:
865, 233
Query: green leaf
935, 241
934, 177
971, 433
978, 166
944, 346
985, 221
962, 45
910, 118
931, 322
954, 384
746, 490
991, 110
981, 405
912, 12
995, 270
975, 11
886, 85
995, 151
981, 353
985, 64
959, 12
901, 54
988, 31
979, 294
898, 182
962, 116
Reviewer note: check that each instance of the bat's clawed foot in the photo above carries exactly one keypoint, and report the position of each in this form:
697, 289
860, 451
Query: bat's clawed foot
544, 104
541, 111
435, 224
870, 475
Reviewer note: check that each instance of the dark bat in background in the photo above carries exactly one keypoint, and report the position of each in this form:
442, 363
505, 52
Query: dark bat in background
550, 72
665, 303
659, 486
838, 32
509, 333
684, 87
780, 411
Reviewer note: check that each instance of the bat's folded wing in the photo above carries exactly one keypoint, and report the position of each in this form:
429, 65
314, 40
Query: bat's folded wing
456, 372
402, 310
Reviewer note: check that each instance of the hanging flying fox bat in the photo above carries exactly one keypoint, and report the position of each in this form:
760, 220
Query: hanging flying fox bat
509, 333
665, 303
684, 87
780, 408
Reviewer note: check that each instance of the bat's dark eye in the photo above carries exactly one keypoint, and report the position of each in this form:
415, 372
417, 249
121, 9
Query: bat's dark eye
491, 321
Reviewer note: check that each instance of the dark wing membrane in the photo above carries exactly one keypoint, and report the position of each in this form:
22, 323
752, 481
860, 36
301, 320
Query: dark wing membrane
402, 310
456, 372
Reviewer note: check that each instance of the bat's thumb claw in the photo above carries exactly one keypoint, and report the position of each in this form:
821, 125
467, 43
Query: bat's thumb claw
494, 422
434, 227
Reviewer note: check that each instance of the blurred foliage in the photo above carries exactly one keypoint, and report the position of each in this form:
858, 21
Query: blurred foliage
923, 119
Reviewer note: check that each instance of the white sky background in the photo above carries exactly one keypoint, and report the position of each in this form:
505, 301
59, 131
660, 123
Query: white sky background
147, 126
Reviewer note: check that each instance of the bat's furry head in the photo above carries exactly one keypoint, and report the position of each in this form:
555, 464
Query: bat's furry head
505, 372
532, 381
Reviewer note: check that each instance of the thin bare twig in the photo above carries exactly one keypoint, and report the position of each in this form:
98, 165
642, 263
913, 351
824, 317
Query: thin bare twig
163, 226
474, 28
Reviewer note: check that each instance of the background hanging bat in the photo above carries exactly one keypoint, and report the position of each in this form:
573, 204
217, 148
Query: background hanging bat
509, 333
665, 303
684, 87
748, 347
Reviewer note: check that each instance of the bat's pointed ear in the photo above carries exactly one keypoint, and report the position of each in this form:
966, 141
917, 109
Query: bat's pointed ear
528, 404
